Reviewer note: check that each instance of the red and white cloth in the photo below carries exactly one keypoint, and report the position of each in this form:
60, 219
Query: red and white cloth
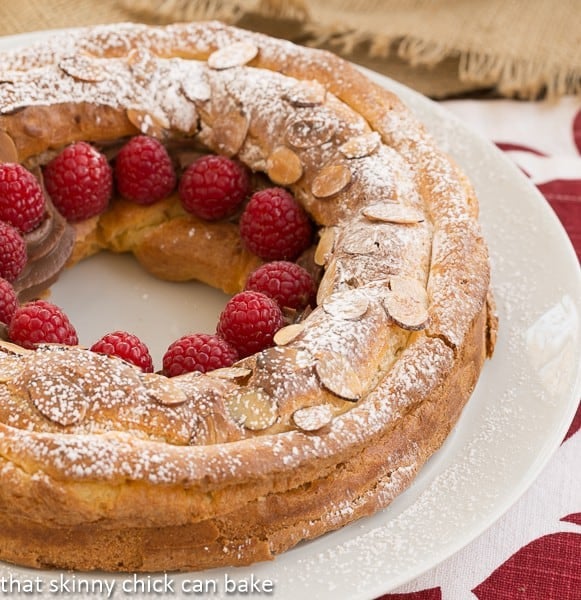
534, 551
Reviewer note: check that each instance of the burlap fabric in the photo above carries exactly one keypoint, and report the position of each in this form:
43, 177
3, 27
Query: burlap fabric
443, 48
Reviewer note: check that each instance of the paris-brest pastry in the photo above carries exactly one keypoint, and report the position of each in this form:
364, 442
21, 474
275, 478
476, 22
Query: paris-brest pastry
106, 467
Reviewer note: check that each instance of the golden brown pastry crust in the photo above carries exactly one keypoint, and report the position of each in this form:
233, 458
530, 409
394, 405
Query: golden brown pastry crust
107, 468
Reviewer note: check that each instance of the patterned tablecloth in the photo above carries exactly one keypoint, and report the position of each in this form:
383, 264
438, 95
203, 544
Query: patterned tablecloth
534, 551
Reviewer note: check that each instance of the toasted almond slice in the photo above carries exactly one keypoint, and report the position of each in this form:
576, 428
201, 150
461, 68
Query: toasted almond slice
407, 303
346, 304
306, 94
252, 408
213, 426
298, 357
163, 390
283, 166
230, 373
14, 348
325, 246
393, 213
406, 286
148, 123
8, 151
361, 146
83, 68
140, 56
229, 132
142, 64
58, 397
287, 334
313, 418
196, 90
338, 376
331, 180
360, 244
309, 132
237, 54
327, 283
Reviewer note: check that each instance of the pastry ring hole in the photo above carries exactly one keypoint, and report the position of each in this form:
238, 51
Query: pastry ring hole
109, 291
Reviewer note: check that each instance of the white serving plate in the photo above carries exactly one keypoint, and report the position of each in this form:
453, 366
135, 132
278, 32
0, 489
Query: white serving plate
517, 417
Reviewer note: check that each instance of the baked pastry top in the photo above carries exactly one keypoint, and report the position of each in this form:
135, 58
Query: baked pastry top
106, 467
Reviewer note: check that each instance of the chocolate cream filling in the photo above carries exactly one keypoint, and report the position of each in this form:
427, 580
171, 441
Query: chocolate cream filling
48, 248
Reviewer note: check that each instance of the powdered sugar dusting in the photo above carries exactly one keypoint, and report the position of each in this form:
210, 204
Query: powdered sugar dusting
370, 372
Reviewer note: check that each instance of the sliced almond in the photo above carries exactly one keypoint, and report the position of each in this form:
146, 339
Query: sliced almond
142, 64
407, 303
306, 94
196, 90
408, 286
361, 146
163, 390
141, 56
393, 213
229, 132
148, 123
287, 334
213, 427
252, 408
83, 68
14, 348
237, 54
338, 376
310, 132
8, 151
348, 305
325, 246
361, 244
328, 282
331, 180
58, 397
283, 166
279, 355
230, 373
313, 418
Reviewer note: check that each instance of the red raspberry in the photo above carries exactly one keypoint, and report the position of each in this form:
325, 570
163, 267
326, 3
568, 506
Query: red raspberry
198, 352
274, 226
21, 197
79, 181
126, 346
8, 301
287, 283
213, 187
40, 322
144, 171
249, 322
12, 252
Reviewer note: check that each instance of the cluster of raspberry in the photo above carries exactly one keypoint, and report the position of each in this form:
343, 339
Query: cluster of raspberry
81, 181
